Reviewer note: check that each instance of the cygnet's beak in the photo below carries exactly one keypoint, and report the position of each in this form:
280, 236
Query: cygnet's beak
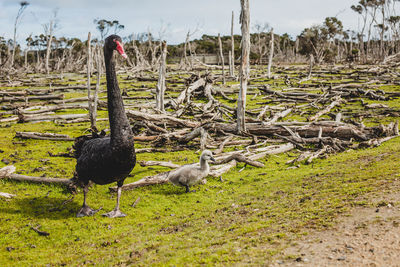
212, 159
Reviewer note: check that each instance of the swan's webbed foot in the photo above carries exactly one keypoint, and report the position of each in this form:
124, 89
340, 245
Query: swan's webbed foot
114, 214
86, 211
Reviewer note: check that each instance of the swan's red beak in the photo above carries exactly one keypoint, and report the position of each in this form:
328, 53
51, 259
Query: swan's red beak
120, 49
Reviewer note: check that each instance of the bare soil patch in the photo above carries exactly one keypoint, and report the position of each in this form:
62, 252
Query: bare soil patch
370, 236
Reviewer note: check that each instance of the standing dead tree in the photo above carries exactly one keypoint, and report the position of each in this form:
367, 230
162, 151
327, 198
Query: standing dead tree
221, 55
49, 29
232, 52
23, 6
160, 89
244, 65
271, 53
92, 103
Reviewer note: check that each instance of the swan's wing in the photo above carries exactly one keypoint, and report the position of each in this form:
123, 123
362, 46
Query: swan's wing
185, 175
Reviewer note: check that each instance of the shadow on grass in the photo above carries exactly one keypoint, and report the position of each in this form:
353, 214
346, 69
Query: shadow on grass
43, 208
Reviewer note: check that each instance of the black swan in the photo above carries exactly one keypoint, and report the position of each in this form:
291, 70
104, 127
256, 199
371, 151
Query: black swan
108, 159
192, 174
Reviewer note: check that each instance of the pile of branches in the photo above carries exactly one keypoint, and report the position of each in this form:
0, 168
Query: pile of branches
210, 124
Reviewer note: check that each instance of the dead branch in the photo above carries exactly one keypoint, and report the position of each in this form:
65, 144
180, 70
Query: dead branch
240, 158
336, 102
158, 163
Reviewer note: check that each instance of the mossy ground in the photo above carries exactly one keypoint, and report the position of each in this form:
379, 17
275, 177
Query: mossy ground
247, 217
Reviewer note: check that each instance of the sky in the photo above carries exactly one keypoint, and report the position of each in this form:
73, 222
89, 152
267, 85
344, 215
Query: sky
171, 19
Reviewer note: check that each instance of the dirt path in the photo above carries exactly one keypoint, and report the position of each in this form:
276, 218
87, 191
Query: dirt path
370, 236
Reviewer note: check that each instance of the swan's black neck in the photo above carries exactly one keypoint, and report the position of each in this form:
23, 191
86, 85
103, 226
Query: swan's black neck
121, 132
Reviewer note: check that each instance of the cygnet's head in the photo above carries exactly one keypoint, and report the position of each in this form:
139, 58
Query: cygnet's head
207, 156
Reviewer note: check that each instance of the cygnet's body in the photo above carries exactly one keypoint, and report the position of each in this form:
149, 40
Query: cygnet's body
192, 174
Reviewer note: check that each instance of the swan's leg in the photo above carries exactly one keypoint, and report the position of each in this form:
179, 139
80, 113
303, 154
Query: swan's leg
187, 189
116, 212
86, 210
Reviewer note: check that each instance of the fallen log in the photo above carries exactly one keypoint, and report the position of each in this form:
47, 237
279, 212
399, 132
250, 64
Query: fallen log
329, 128
161, 118
195, 133
222, 145
160, 178
8, 173
44, 136
278, 115
158, 163
30, 118
30, 98
9, 119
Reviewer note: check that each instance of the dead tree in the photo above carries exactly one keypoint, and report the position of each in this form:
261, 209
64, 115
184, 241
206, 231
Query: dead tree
244, 66
160, 89
23, 6
88, 72
92, 104
271, 53
221, 54
232, 53
49, 31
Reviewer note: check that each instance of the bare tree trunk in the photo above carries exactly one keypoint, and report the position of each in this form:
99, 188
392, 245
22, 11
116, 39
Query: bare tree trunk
26, 57
23, 5
88, 74
160, 89
310, 67
95, 101
230, 64
221, 54
49, 31
382, 43
232, 55
244, 66
49, 41
271, 53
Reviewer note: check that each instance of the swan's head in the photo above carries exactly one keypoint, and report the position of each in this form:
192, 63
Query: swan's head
207, 156
114, 42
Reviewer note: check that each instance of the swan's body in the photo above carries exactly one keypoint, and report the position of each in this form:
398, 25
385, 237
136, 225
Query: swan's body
108, 159
192, 174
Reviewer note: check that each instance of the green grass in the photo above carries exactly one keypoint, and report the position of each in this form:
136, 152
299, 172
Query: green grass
246, 218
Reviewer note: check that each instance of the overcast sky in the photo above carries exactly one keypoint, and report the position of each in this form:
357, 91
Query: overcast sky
177, 16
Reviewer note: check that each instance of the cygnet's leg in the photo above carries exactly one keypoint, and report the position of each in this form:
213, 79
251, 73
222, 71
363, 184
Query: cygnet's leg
116, 212
188, 190
86, 210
